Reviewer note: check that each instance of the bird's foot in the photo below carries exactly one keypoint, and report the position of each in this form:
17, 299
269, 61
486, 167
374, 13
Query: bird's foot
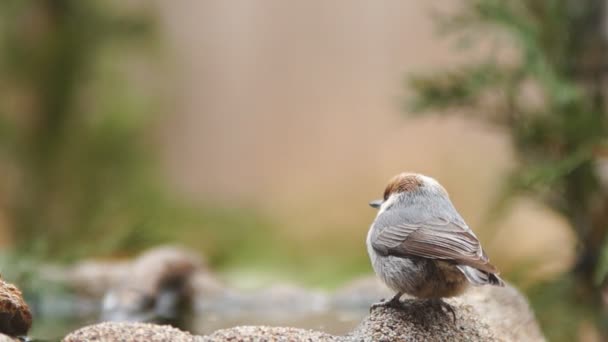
392, 303
439, 303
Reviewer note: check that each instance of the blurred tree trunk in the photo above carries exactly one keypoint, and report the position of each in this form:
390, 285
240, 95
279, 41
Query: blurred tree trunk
58, 53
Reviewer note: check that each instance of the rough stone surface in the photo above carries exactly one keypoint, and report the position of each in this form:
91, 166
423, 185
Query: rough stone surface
15, 315
486, 313
262, 333
417, 321
128, 332
506, 310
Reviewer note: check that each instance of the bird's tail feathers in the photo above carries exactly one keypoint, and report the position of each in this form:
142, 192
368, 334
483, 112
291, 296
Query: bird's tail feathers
479, 277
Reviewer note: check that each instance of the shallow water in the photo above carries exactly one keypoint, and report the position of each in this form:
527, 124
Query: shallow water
333, 322
49, 328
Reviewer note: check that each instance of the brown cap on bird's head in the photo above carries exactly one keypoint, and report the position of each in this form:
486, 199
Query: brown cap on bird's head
408, 182
403, 182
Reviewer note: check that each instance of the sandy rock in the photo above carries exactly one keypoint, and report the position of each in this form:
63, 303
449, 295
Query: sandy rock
417, 321
486, 313
128, 332
262, 333
15, 315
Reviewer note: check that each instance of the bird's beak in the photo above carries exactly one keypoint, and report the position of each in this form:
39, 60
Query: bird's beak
376, 203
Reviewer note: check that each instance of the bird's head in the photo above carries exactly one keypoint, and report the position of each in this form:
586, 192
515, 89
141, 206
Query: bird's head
408, 183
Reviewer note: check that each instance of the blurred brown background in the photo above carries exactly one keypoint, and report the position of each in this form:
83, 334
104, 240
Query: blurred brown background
256, 133
296, 108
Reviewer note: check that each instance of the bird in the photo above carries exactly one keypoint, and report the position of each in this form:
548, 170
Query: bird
419, 244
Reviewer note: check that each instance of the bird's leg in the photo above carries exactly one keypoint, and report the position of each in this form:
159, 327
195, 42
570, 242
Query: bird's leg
438, 302
392, 303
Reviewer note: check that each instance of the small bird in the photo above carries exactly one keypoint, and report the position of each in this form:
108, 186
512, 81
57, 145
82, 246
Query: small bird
419, 245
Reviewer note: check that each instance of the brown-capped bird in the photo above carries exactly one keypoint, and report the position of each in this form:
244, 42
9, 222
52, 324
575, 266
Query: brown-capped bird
419, 245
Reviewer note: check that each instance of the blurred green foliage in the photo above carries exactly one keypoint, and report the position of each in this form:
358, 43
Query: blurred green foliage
550, 97
78, 175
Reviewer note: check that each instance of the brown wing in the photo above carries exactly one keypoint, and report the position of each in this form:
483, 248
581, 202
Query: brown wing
434, 238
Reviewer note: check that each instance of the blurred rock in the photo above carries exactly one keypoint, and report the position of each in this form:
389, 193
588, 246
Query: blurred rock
161, 267
204, 284
261, 333
128, 332
15, 315
157, 287
94, 278
506, 310
89, 278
